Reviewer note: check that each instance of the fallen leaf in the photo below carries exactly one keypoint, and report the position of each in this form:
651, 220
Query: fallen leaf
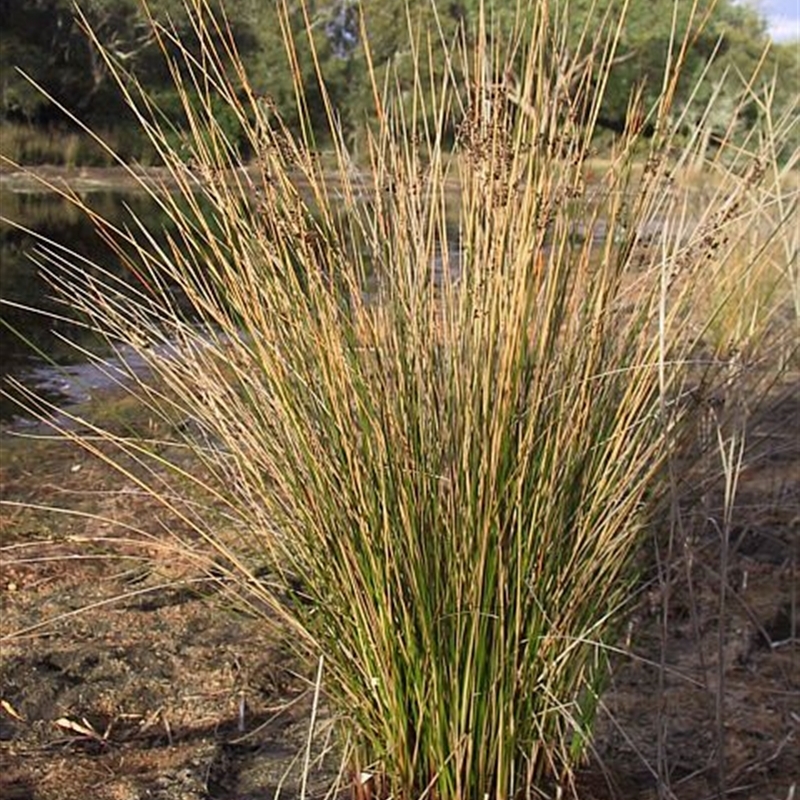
11, 711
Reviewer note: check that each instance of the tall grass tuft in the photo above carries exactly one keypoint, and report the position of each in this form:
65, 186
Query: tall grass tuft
432, 393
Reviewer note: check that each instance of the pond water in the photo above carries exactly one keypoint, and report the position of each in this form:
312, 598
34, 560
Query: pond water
34, 323
35, 326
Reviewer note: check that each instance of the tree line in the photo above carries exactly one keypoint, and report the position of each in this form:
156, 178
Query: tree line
43, 40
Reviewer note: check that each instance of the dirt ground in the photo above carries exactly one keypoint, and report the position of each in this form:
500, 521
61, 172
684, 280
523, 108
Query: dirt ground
171, 693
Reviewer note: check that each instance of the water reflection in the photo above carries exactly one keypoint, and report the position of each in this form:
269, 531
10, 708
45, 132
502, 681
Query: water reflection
40, 331
35, 324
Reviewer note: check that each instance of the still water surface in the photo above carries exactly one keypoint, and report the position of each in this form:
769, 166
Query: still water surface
33, 346
32, 340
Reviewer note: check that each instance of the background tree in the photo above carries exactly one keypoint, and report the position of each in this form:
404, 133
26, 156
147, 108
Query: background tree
43, 39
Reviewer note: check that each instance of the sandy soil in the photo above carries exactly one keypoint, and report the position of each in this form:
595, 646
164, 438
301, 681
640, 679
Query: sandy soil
172, 693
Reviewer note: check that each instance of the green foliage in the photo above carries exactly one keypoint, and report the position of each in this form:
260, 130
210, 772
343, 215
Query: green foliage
172, 110
44, 40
